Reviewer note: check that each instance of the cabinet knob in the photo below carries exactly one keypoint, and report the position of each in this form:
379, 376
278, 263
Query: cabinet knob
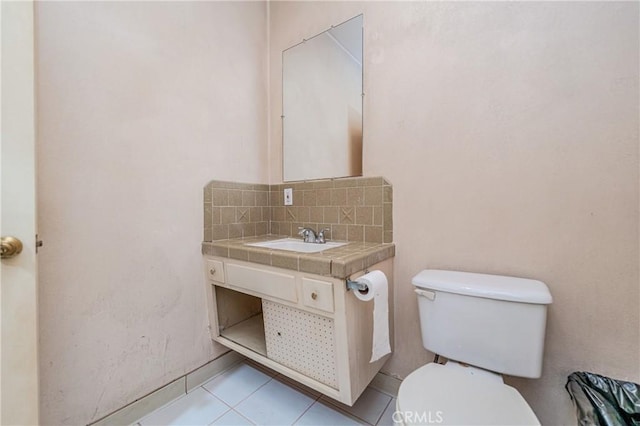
314, 295
212, 271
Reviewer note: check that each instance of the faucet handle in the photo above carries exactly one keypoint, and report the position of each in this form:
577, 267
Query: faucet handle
320, 238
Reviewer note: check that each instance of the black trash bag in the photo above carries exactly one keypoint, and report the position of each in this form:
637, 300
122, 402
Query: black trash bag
600, 400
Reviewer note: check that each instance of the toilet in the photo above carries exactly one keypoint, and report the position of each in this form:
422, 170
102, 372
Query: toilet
486, 326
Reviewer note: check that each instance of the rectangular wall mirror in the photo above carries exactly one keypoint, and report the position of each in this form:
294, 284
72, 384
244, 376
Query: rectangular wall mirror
322, 104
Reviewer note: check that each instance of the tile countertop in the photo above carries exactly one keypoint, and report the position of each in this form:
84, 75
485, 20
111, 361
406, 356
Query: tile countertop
339, 262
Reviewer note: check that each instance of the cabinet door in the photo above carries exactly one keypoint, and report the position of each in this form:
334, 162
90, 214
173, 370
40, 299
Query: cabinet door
317, 294
302, 341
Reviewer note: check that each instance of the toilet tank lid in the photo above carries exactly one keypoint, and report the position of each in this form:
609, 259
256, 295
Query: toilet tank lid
483, 285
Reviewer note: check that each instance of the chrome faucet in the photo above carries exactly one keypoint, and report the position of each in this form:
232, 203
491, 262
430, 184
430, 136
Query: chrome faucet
308, 235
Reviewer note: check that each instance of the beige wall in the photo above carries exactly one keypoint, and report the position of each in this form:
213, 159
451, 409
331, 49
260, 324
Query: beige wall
510, 134
509, 131
139, 106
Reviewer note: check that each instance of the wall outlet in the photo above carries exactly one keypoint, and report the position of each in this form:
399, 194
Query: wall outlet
288, 196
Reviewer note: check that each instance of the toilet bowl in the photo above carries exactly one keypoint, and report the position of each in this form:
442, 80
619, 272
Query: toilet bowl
491, 325
453, 394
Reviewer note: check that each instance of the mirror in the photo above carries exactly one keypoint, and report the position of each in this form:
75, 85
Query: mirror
322, 104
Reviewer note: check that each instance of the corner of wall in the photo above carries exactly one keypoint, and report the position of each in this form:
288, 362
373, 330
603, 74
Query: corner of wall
268, 89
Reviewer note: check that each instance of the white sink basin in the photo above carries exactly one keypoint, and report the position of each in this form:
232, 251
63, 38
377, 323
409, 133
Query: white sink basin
292, 244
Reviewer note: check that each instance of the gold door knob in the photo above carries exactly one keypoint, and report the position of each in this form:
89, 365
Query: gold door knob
11, 247
314, 295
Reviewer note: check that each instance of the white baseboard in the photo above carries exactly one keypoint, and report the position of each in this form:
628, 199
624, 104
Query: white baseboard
167, 393
211, 369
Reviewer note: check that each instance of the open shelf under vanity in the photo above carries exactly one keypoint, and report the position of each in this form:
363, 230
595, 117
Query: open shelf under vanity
248, 333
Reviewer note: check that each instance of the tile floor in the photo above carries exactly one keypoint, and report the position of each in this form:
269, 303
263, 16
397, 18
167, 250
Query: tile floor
247, 394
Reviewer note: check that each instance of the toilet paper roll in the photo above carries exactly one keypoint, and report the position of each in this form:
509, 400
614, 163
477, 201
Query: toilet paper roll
378, 291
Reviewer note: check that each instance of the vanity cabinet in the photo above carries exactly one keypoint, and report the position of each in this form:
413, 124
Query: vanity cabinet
305, 326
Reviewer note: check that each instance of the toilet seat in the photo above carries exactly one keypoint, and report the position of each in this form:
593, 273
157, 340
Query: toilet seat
453, 394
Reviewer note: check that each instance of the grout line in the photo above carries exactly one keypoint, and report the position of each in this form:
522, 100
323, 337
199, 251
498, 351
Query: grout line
257, 389
242, 400
301, 391
207, 391
221, 415
248, 396
304, 412
383, 411
240, 414
230, 408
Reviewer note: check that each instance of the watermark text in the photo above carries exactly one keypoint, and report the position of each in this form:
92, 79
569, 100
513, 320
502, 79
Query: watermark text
415, 417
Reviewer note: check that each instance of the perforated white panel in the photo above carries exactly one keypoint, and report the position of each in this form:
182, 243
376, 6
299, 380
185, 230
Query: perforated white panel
302, 341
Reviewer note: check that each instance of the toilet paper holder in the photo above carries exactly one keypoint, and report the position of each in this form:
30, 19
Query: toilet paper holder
355, 285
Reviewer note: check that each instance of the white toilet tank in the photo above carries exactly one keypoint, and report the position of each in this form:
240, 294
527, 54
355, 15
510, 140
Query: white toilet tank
489, 321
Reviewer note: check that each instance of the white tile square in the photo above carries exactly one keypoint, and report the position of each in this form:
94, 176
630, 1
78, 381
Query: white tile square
198, 407
387, 416
232, 419
275, 404
236, 384
368, 407
320, 414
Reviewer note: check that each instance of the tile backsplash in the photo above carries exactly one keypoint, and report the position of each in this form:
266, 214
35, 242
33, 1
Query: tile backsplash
354, 209
233, 210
